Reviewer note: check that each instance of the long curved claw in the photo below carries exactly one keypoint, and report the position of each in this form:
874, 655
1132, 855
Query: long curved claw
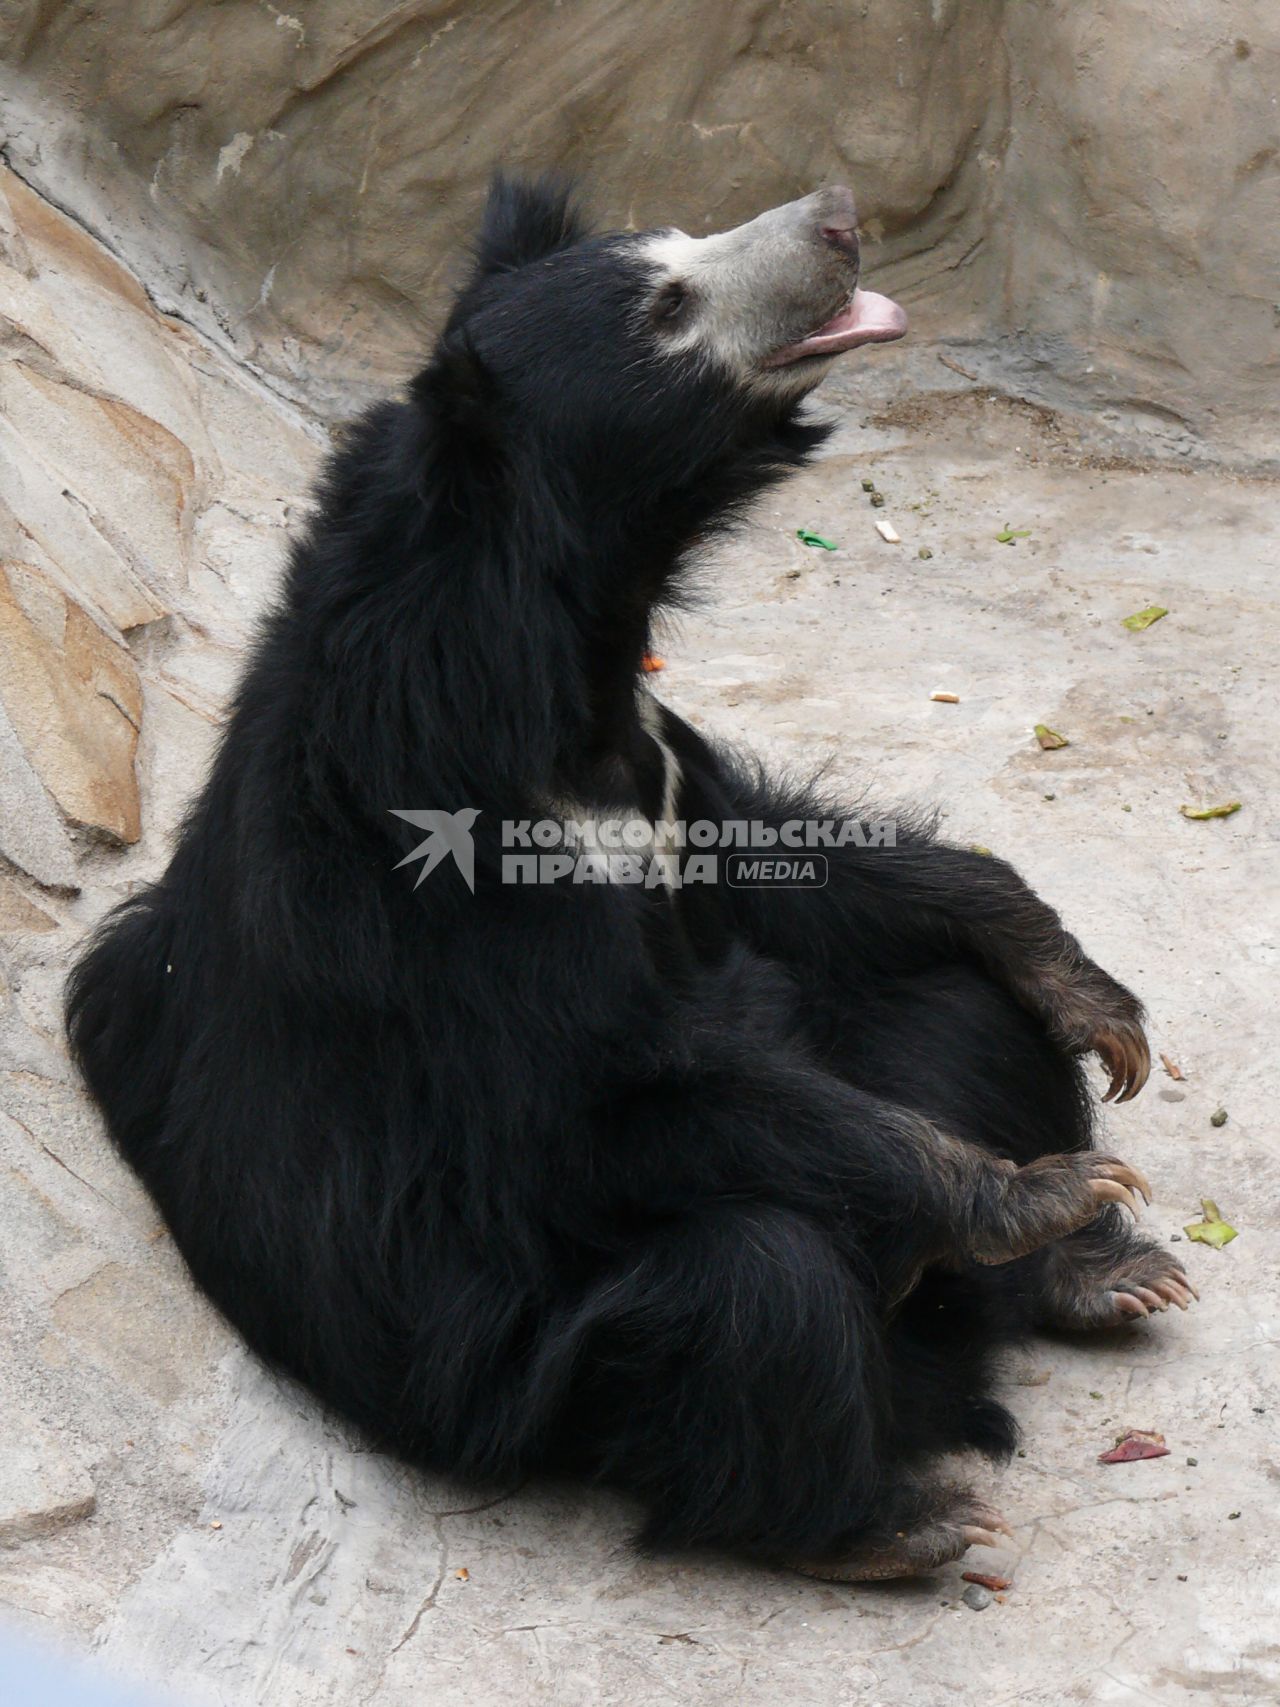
1179, 1292
1128, 1304
1127, 1057
976, 1537
1110, 1167
1113, 1059
1132, 1298
986, 1517
1154, 1300
1111, 1191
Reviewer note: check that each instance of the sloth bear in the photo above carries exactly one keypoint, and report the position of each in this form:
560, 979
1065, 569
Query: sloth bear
724, 1196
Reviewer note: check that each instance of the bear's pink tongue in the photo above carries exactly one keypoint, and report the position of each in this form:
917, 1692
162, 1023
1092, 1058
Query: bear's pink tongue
867, 318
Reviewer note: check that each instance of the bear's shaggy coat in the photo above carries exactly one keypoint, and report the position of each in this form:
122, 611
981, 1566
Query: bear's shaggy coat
707, 1194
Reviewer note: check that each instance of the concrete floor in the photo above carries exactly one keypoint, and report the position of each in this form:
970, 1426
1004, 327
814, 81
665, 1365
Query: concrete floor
208, 1531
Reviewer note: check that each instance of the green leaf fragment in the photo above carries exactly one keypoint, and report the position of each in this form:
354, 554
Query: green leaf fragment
1144, 618
1050, 739
806, 536
1213, 1230
1007, 535
1200, 813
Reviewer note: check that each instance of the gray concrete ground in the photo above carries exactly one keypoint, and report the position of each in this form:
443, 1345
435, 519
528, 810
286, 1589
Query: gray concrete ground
168, 1504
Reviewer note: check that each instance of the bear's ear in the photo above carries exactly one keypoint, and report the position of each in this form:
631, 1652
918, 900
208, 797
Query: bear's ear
457, 392
526, 219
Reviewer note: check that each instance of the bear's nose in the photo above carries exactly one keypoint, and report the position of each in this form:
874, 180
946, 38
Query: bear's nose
838, 219
840, 237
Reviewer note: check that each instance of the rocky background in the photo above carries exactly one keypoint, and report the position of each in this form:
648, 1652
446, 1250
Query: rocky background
1097, 186
222, 228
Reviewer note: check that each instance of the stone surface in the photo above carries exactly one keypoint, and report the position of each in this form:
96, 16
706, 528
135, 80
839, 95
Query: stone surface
1142, 184
32, 834
1091, 193
41, 1488
141, 479
72, 696
18, 913
327, 163
244, 1551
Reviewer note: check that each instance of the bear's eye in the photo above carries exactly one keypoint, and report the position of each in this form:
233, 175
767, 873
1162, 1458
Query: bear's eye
670, 302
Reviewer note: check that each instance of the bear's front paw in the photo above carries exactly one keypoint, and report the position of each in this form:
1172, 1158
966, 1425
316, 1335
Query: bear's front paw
1088, 1012
1021, 1209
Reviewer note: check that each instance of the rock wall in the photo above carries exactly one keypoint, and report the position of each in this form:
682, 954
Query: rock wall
1140, 228
324, 163
1096, 184
142, 496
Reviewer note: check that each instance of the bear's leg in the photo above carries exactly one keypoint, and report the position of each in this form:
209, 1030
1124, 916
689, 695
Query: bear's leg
953, 1045
751, 1121
733, 1376
905, 906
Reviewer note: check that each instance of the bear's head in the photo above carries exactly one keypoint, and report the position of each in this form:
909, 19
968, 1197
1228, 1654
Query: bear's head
637, 369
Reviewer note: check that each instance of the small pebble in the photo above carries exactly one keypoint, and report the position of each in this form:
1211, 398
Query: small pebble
1218, 1117
1175, 1238
1051, 797
868, 485
1181, 1577
924, 552
1168, 1095
979, 1598
1232, 1514
1193, 1462
877, 500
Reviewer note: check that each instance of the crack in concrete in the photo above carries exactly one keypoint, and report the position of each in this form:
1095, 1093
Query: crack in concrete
428, 1604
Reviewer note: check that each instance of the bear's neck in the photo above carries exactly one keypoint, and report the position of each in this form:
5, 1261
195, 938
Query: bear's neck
608, 601
465, 646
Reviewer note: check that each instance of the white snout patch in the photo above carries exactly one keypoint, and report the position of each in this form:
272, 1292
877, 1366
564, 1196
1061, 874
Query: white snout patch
717, 272
750, 292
